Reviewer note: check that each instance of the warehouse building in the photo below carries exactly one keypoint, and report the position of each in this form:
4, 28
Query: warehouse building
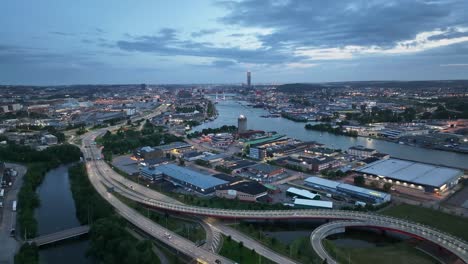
355, 192
249, 191
306, 203
147, 153
199, 182
302, 193
425, 177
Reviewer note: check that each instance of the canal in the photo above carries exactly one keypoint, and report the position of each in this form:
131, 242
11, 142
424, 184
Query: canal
56, 213
230, 110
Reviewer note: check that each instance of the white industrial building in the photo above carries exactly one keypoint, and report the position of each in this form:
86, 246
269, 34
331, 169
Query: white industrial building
425, 177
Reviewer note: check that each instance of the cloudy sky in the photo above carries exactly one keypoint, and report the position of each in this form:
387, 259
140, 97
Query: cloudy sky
214, 41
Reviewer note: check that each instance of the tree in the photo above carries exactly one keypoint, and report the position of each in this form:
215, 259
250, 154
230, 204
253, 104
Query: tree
28, 253
181, 162
359, 180
241, 245
387, 186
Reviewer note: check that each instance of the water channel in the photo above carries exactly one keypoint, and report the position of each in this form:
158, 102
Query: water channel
230, 110
56, 213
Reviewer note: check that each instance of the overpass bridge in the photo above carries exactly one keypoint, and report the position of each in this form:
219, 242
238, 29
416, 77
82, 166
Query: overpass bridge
61, 235
109, 178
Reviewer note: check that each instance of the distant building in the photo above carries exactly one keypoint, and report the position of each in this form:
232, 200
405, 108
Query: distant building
148, 153
306, 203
302, 193
49, 140
361, 151
415, 175
248, 191
182, 176
315, 164
265, 170
249, 79
359, 193
242, 124
222, 139
176, 148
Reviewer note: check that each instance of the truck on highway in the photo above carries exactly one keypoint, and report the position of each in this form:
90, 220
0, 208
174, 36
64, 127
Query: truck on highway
13, 224
13, 207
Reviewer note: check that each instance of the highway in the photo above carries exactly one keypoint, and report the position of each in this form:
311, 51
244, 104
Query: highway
166, 236
152, 198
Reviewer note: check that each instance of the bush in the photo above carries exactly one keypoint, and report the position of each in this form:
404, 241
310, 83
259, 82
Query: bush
28, 254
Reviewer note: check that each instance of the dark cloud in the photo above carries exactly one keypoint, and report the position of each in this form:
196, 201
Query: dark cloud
223, 63
60, 33
100, 30
204, 32
236, 35
336, 23
167, 43
33, 57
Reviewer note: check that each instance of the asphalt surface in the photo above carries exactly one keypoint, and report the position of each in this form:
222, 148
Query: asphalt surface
9, 245
152, 198
96, 171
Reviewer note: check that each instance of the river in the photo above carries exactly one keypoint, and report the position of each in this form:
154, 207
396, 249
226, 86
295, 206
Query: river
230, 110
57, 212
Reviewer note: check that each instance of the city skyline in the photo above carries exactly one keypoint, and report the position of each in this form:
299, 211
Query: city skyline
55, 43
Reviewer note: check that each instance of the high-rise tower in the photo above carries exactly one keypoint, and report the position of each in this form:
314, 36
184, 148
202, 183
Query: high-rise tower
249, 79
242, 124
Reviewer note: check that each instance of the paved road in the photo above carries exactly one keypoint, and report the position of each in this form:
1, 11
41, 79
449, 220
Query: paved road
136, 191
8, 245
145, 196
95, 174
251, 243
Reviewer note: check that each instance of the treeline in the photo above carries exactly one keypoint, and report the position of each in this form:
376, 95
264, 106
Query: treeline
124, 141
90, 206
458, 110
377, 115
210, 109
22, 114
28, 254
39, 162
53, 155
185, 109
206, 131
292, 117
110, 242
330, 129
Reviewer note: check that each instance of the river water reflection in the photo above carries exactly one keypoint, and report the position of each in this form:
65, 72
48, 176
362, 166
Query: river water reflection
230, 110
57, 212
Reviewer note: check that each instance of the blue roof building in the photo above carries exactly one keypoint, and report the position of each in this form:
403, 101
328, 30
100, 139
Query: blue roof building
202, 183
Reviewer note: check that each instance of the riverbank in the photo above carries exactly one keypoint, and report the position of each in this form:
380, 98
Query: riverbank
330, 129
230, 110
38, 163
110, 242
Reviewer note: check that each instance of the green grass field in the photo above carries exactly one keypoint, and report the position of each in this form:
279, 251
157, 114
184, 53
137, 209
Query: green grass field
400, 253
240, 254
455, 225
